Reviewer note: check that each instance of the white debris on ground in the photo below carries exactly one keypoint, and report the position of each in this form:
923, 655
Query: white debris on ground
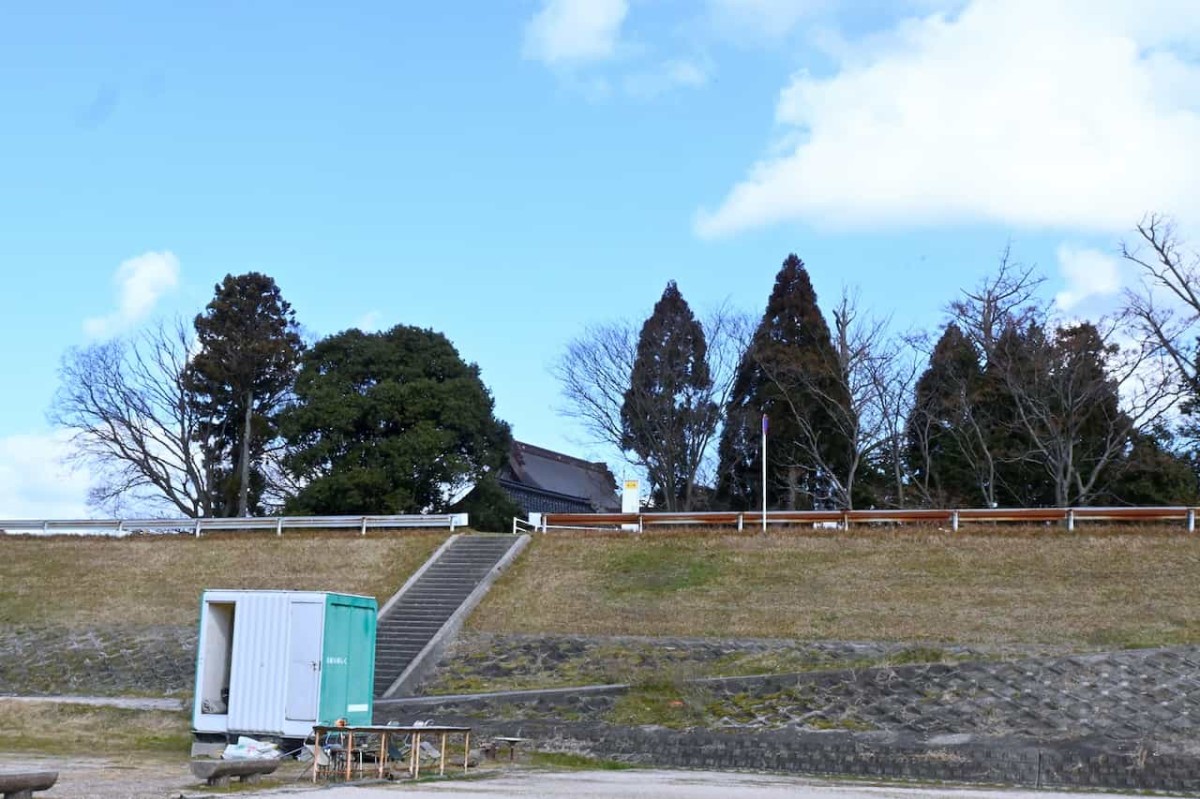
250, 749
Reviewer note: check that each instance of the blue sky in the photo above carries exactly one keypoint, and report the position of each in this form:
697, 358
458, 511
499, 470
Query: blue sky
506, 172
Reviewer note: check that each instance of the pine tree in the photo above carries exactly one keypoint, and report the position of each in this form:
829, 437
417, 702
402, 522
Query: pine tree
667, 417
792, 374
1154, 473
1065, 430
943, 454
249, 347
1017, 368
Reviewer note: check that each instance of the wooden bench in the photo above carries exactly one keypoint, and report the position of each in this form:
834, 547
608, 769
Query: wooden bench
22, 784
218, 772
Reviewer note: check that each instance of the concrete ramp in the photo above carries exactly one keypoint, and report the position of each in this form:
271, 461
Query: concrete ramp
424, 616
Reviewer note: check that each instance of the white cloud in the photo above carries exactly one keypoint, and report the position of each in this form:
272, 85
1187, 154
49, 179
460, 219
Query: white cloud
1076, 114
141, 283
769, 19
1087, 274
369, 321
675, 74
34, 481
575, 31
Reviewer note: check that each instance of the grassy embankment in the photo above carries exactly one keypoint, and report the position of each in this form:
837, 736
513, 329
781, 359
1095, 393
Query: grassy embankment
157, 580
1102, 588
1099, 588
75, 584
1110, 588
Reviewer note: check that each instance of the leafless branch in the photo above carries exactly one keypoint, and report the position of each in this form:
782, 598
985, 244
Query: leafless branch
126, 404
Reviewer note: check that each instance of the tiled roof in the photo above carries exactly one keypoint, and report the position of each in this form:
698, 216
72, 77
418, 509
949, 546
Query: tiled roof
550, 471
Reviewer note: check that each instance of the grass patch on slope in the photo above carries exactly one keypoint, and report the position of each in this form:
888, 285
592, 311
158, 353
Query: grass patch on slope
574, 762
1110, 589
78, 582
660, 571
70, 729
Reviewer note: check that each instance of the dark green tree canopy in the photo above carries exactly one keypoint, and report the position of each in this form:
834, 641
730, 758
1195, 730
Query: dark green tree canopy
941, 427
667, 416
391, 422
790, 372
249, 347
1154, 473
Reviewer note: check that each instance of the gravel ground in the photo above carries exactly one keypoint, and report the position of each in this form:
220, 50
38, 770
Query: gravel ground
671, 785
102, 778
123, 778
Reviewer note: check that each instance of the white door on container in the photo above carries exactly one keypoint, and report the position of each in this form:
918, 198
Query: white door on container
304, 660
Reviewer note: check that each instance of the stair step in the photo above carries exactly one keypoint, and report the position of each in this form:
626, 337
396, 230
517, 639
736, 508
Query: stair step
432, 600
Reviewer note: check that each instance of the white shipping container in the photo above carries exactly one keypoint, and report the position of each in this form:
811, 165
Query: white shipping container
274, 663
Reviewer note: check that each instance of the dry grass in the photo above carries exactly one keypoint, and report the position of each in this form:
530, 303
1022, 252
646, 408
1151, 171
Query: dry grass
80, 582
1105, 588
55, 728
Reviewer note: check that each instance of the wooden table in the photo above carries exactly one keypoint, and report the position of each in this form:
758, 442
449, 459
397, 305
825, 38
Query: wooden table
511, 743
385, 732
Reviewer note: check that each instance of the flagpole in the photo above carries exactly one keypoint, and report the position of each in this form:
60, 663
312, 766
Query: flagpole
764, 473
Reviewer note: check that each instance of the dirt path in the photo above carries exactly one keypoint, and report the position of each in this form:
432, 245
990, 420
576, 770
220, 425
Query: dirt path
123, 778
674, 785
124, 702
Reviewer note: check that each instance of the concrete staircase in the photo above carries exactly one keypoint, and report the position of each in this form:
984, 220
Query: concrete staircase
417, 623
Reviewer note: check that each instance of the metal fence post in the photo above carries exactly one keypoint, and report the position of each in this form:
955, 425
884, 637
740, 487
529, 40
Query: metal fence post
954, 521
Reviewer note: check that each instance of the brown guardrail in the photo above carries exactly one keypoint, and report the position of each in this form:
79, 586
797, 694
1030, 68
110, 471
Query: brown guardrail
952, 517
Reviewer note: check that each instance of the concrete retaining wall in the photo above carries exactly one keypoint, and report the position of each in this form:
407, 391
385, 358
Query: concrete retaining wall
885, 756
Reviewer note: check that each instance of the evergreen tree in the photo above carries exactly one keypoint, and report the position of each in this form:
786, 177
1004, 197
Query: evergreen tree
1087, 433
1059, 430
667, 417
1153, 473
392, 422
249, 346
489, 507
1017, 368
941, 427
791, 372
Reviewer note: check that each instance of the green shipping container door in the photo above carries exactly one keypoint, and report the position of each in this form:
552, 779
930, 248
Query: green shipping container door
348, 670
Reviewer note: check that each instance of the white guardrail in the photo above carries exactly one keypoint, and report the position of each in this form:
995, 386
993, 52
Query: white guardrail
844, 519
275, 524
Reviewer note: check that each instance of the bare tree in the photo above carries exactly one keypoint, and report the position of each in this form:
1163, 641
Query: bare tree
1007, 297
893, 374
728, 331
595, 370
1079, 399
593, 373
858, 399
127, 405
1164, 308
